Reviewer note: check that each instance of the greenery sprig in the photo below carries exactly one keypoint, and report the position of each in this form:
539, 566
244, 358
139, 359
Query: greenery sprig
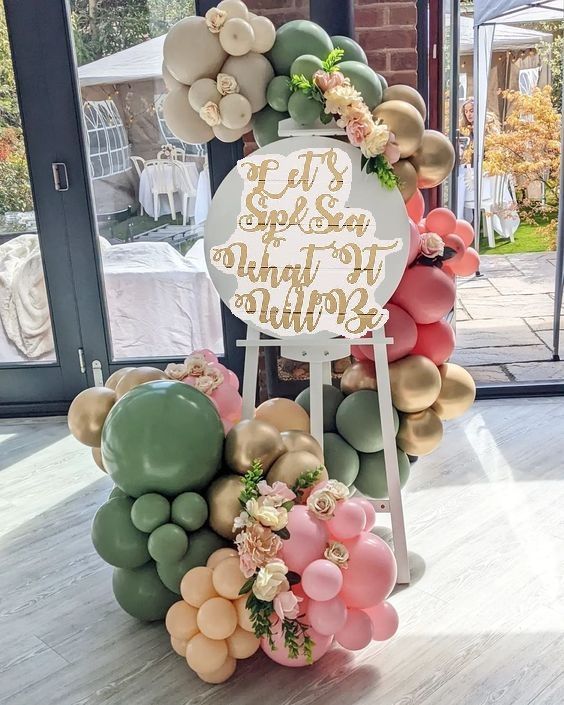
305, 481
380, 166
250, 481
331, 63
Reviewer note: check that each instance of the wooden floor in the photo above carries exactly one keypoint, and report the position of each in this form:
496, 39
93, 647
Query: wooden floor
482, 622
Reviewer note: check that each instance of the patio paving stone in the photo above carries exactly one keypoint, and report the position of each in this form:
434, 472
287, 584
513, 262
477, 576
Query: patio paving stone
493, 332
488, 374
544, 323
529, 284
500, 355
511, 306
537, 371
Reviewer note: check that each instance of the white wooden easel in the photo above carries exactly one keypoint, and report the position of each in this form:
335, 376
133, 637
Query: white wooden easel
319, 354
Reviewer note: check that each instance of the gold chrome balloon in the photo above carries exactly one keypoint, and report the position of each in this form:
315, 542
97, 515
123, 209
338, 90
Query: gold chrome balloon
291, 465
137, 376
283, 414
299, 440
415, 383
405, 122
458, 391
407, 94
97, 455
252, 440
87, 414
405, 171
360, 375
114, 378
434, 160
223, 504
420, 433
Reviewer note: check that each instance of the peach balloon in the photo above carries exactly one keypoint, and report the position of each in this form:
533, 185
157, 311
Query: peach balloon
242, 644
416, 206
426, 293
220, 555
217, 618
468, 265
197, 586
465, 230
243, 614
455, 243
283, 414
435, 341
441, 221
137, 376
181, 622
205, 655
222, 674
228, 579
179, 645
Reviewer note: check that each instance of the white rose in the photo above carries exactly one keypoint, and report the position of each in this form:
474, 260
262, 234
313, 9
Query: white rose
432, 245
204, 384
227, 84
176, 371
210, 114
195, 365
337, 489
322, 504
215, 19
375, 142
337, 553
271, 580
275, 518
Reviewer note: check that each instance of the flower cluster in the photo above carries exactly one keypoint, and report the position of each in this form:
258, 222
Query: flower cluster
433, 250
167, 150
322, 502
207, 377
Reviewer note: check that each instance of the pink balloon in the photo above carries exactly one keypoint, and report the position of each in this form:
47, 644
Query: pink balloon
280, 652
371, 572
455, 242
359, 351
466, 232
357, 632
307, 542
385, 621
401, 327
347, 522
414, 242
441, 221
327, 617
369, 511
422, 225
228, 402
426, 293
322, 580
416, 206
435, 341
232, 379
208, 354
468, 265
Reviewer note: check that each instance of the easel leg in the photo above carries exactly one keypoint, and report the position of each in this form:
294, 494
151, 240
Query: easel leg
316, 400
250, 373
327, 373
391, 458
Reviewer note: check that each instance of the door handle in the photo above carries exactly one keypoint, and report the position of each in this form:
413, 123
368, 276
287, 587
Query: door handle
60, 176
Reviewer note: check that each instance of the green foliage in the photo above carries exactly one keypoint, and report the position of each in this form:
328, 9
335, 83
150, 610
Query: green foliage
296, 638
250, 481
331, 63
9, 112
305, 481
15, 189
260, 617
380, 166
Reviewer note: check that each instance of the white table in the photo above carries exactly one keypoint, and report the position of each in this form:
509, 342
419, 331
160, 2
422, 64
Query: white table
146, 196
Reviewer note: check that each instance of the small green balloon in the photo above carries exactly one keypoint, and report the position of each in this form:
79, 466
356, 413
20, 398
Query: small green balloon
383, 82
141, 593
341, 459
371, 480
168, 543
365, 80
202, 544
295, 37
306, 65
303, 109
353, 50
358, 421
265, 126
114, 536
278, 93
149, 511
190, 511
332, 398
116, 492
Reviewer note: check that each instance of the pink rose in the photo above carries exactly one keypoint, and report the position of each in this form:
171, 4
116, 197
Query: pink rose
432, 245
325, 81
357, 130
287, 605
392, 151
257, 545
279, 490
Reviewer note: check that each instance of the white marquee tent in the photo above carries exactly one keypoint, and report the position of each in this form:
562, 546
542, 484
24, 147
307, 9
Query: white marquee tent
488, 14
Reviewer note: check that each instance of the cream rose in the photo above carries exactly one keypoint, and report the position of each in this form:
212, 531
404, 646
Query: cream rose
215, 19
376, 141
210, 114
322, 504
338, 489
432, 245
274, 518
204, 384
270, 581
195, 365
337, 553
176, 370
339, 98
227, 84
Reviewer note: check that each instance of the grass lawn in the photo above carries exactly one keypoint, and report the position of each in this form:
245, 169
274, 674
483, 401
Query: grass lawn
528, 238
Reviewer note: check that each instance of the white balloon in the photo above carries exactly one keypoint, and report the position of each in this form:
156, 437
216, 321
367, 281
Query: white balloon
182, 120
234, 8
224, 134
235, 111
253, 72
265, 34
201, 92
170, 82
191, 51
237, 37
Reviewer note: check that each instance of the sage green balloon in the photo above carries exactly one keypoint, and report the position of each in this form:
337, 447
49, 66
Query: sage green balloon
168, 543
365, 80
358, 421
164, 437
295, 37
341, 459
190, 511
114, 536
150, 511
202, 544
265, 126
353, 50
116, 492
278, 93
303, 109
332, 398
306, 65
141, 593
383, 82
371, 479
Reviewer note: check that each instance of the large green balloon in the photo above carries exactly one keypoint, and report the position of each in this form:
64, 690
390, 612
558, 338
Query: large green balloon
265, 126
190, 511
358, 421
202, 544
116, 492
278, 93
365, 80
332, 398
341, 459
293, 39
383, 82
371, 480
303, 109
163, 437
141, 593
353, 50
114, 536
149, 511
306, 65
168, 543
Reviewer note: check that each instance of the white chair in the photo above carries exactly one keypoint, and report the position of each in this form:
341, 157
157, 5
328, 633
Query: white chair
139, 164
186, 181
161, 175
172, 153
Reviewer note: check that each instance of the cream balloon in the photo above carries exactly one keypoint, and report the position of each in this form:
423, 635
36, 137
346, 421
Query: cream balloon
203, 91
183, 121
253, 72
265, 34
97, 456
170, 82
237, 37
299, 440
191, 51
87, 414
283, 414
114, 378
224, 134
234, 8
137, 376
235, 111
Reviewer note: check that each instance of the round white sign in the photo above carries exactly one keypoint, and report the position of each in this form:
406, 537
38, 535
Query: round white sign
299, 241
